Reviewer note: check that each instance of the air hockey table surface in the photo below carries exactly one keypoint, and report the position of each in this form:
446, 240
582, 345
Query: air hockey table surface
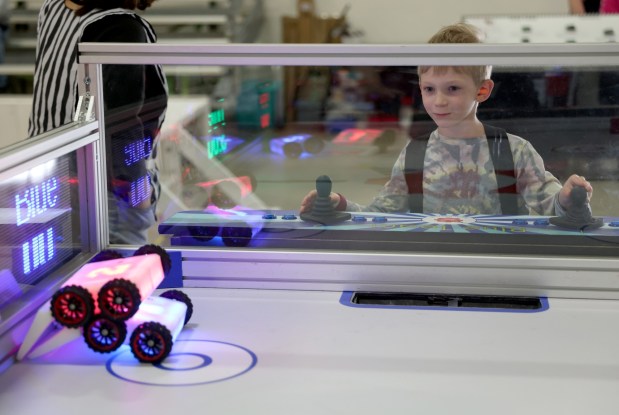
313, 352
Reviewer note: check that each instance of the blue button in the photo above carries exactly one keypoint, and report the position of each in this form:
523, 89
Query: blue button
379, 219
541, 222
289, 217
269, 216
359, 219
520, 222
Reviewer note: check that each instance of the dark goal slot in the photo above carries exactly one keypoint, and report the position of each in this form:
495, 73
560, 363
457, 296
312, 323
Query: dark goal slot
443, 300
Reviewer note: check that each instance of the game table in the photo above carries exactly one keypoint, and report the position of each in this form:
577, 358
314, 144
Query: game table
376, 314
308, 352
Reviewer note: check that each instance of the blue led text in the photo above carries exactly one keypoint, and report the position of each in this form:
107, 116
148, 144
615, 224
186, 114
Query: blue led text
140, 190
38, 250
36, 200
138, 151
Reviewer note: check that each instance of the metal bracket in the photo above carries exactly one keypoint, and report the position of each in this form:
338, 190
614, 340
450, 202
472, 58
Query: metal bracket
84, 111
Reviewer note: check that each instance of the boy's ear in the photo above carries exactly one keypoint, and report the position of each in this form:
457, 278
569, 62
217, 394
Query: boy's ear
485, 90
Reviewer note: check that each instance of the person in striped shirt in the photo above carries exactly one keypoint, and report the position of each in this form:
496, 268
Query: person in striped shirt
135, 101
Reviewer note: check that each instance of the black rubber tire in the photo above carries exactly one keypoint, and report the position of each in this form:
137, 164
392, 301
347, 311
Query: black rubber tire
293, 150
236, 236
151, 342
178, 295
104, 335
203, 233
119, 299
72, 306
194, 195
226, 194
166, 262
313, 145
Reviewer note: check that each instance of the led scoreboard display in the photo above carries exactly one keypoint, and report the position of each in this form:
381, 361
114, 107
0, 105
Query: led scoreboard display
216, 141
38, 222
136, 152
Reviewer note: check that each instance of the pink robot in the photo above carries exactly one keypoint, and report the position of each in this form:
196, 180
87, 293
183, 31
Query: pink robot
154, 327
125, 305
118, 284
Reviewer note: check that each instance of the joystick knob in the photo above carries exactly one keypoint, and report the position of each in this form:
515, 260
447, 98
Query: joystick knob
578, 214
323, 210
578, 196
323, 186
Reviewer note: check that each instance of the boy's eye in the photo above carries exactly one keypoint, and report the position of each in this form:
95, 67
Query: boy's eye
428, 89
453, 88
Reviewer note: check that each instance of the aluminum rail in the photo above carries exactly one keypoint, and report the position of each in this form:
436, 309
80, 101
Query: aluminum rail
594, 54
28, 153
526, 275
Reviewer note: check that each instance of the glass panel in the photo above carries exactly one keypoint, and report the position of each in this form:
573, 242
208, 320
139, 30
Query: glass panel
39, 226
135, 101
241, 150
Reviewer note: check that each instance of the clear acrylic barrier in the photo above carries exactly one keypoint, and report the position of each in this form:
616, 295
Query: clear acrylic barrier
238, 154
48, 214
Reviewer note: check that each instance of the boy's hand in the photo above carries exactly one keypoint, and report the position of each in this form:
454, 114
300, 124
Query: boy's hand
570, 183
308, 201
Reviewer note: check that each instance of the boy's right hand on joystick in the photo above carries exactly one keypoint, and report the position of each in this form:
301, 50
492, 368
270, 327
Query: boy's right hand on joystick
308, 201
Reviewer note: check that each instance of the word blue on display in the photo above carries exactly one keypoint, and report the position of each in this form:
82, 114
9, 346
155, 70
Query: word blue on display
32, 202
36, 200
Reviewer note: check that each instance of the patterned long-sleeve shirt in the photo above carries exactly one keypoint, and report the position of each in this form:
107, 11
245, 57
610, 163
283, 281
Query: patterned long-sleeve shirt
459, 178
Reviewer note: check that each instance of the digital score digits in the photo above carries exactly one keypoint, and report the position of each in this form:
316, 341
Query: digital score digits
33, 203
217, 142
36, 225
135, 155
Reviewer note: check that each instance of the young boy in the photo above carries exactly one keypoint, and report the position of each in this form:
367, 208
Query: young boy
464, 166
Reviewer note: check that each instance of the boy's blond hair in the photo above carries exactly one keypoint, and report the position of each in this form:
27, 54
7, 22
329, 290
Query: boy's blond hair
459, 33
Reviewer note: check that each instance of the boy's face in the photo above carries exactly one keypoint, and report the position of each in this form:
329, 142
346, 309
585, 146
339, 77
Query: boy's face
451, 99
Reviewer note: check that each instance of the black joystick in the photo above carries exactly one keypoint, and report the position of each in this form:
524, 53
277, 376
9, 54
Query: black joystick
579, 215
322, 210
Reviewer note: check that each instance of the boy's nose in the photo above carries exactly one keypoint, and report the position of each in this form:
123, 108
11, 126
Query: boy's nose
440, 99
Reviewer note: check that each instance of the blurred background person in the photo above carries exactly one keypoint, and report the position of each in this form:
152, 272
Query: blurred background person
584, 6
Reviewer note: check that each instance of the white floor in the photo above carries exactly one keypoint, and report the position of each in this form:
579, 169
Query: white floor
295, 352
